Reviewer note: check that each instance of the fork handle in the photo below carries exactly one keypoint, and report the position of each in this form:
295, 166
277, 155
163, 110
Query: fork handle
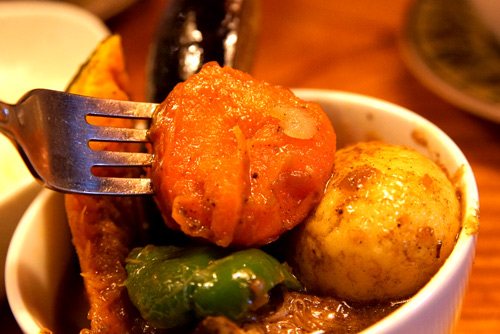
8, 120
5, 111
10, 126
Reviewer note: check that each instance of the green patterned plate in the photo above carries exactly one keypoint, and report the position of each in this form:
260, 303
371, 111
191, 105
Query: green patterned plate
453, 54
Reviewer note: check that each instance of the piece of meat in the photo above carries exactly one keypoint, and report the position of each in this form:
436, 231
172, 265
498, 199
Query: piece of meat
298, 313
238, 161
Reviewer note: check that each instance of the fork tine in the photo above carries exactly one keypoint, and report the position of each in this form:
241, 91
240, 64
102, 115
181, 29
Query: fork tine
123, 186
123, 109
107, 133
121, 159
62, 158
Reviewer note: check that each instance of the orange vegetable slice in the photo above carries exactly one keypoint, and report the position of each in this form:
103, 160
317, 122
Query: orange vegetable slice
238, 161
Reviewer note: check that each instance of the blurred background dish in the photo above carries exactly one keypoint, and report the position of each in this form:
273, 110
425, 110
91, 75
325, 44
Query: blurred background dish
453, 52
43, 45
103, 9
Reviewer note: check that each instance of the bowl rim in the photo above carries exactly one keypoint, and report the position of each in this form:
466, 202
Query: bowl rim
18, 307
453, 266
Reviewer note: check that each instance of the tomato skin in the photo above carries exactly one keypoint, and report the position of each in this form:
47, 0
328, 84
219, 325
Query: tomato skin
238, 161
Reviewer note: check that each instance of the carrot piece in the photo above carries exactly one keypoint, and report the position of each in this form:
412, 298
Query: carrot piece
238, 161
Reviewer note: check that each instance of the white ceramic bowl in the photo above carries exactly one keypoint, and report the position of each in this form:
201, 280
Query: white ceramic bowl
43, 45
41, 247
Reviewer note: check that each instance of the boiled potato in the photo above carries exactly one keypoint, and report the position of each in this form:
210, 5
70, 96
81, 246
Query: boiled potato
388, 221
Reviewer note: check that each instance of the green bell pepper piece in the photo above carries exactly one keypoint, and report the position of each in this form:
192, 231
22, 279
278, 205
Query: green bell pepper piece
159, 281
238, 283
173, 286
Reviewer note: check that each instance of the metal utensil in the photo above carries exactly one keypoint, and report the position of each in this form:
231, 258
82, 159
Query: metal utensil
52, 133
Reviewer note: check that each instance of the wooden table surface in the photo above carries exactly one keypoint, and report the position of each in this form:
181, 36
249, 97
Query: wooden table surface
354, 46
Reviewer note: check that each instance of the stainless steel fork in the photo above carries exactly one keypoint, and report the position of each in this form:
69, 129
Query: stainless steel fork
51, 132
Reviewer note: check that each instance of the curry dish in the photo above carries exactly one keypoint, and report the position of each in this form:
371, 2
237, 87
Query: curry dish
246, 214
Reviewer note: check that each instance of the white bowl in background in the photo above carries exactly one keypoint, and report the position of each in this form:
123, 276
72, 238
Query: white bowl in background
43, 45
41, 247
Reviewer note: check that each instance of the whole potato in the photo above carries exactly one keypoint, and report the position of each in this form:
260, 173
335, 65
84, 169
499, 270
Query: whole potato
388, 221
